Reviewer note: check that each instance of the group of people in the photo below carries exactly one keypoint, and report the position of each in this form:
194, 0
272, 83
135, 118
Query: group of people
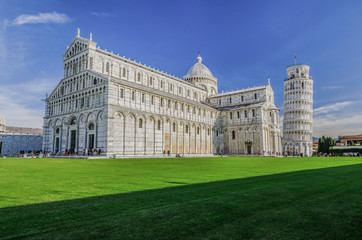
169, 154
92, 152
69, 152
294, 154
86, 152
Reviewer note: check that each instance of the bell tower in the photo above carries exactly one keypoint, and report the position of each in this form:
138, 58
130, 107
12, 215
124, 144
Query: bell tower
298, 111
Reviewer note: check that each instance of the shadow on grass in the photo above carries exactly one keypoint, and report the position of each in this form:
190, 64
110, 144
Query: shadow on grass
311, 204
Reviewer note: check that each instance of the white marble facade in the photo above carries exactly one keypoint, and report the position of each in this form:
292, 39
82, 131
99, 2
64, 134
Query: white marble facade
298, 112
127, 109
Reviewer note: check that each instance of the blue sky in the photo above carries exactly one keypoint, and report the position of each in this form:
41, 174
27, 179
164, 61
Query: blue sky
241, 42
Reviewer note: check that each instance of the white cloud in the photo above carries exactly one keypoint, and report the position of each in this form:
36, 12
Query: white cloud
337, 125
335, 107
53, 17
21, 103
102, 14
338, 119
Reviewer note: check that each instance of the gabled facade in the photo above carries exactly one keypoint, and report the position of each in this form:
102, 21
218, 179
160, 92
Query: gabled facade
124, 108
248, 122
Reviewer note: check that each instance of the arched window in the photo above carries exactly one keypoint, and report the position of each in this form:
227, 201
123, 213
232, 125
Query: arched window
158, 125
151, 81
91, 126
208, 132
187, 129
57, 131
107, 67
140, 123
73, 121
231, 115
233, 134
198, 130
253, 112
139, 77
255, 96
217, 133
174, 127
124, 72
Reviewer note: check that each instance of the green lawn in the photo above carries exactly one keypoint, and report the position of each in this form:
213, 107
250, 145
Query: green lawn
187, 198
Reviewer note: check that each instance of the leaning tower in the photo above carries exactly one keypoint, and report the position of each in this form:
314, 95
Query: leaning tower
2, 125
298, 111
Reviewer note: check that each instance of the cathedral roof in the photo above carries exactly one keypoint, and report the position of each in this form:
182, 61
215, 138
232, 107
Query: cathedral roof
247, 106
241, 106
199, 70
239, 91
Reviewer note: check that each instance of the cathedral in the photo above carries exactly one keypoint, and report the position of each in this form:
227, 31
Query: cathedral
127, 109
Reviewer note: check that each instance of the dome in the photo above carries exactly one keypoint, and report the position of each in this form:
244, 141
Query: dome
199, 70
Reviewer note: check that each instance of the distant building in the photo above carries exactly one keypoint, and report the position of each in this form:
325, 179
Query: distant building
315, 147
352, 140
348, 145
16, 139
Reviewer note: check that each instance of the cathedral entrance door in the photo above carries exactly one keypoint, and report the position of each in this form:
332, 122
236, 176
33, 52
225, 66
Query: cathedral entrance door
56, 145
249, 149
90, 141
73, 137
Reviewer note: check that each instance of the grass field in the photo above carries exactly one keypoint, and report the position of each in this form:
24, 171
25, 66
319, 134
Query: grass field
187, 198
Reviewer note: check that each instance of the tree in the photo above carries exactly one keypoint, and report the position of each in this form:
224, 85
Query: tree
324, 143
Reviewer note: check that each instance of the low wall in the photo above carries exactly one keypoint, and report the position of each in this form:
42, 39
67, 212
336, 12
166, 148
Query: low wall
11, 144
